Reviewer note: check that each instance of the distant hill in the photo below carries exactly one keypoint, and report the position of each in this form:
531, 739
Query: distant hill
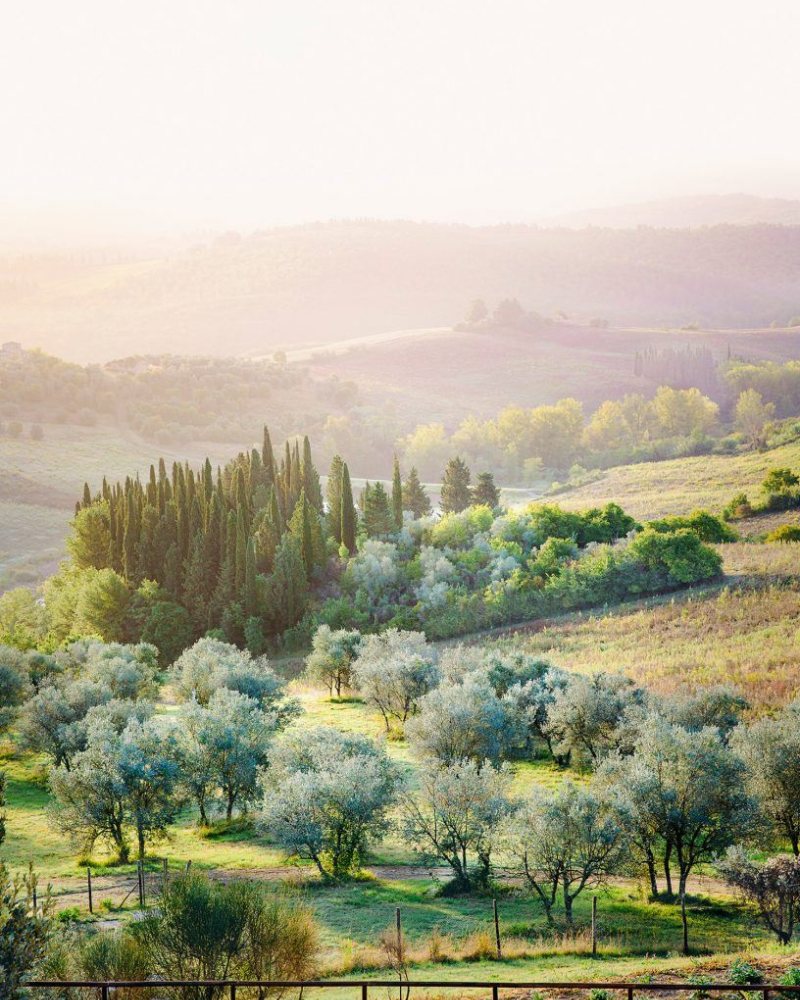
315, 284
687, 213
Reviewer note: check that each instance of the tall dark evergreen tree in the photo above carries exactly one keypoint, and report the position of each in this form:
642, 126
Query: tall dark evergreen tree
397, 496
486, 491
250, 593
310, 478
241, 553
415, 499
376, 511
349, 521
333, 494
268, 460
287, 585
456, 492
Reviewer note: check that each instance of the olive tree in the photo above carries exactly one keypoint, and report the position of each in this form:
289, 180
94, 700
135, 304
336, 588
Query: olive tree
588, 716
130, 672
121, 783
53, 721
465, 721
331, 658
772, 886
719, 705
455, 816
393, 671
14, 684
571, 840
327, 796
211, 664
221, 748
688, 787
770, 750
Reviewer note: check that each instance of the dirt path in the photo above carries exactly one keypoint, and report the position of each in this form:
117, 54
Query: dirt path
72, 891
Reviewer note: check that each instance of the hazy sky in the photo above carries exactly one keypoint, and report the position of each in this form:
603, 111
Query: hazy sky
250, 112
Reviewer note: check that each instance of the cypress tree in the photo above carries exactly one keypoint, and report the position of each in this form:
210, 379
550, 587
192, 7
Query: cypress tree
349, 523
87, 496
287, 585
194, 586
212, 543
397, 496
224, 591
300, 527
250, 596
148, 536
152, 488
456, 493
415, 499
275, 518
256, 472
208, 479
333, 493
310, 478
240, 552
130, 539
268, 460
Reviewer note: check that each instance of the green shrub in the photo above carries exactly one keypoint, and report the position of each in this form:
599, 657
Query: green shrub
790, 978
742, 973
708, 527
738, 508
785, 533
114, 956
779, 481
680, 555
201, 929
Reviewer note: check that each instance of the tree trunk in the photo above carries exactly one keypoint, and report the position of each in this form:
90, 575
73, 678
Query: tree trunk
651, 871
567, 903
229, 809
140, 838
667, 872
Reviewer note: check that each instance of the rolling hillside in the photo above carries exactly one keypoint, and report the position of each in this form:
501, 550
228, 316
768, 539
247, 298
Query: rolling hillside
654, 489
314, 284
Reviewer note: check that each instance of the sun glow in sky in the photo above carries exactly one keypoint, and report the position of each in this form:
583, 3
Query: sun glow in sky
254, 112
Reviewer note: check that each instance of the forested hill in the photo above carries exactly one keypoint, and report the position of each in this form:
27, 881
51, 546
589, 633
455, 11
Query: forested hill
320, 283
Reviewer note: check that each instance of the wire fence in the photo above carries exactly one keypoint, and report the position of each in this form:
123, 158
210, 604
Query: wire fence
360, 988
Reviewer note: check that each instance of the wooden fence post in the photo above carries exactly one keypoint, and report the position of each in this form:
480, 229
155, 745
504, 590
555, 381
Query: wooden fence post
594, 926
685, 924
497, 930
89, 888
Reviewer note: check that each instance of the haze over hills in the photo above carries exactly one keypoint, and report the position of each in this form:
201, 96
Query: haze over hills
314, 284
688, 212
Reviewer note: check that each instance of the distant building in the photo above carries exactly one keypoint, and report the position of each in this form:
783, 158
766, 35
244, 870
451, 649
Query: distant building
11, 347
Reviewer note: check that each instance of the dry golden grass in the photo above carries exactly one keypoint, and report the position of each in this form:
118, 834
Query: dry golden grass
745, 632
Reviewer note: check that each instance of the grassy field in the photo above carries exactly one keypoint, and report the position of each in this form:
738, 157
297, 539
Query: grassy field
654, 489
743, 631
452, 937
41, 480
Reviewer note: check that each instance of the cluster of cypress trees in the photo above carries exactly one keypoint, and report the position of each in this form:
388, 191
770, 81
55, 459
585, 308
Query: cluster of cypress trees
236, 548
239, 549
